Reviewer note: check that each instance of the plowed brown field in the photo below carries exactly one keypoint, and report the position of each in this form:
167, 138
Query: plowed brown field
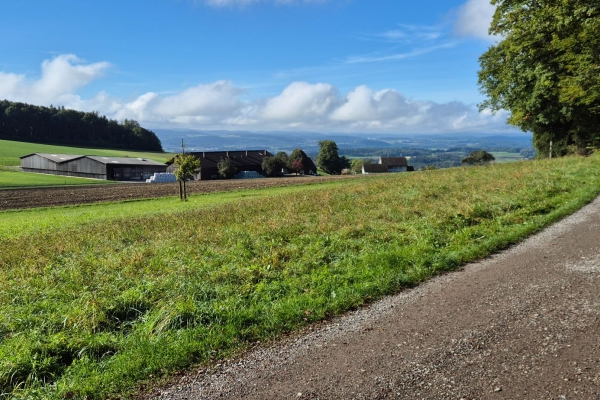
47, 197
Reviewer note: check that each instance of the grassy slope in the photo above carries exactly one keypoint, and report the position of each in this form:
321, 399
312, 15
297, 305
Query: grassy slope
93, 310
10, 152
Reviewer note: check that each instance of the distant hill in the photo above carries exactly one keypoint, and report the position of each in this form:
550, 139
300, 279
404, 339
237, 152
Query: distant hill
57, 125
274, 141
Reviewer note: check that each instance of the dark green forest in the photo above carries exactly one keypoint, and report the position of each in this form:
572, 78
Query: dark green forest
58, 125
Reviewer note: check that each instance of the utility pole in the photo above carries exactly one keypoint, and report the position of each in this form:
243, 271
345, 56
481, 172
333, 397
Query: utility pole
550, 149
182, 147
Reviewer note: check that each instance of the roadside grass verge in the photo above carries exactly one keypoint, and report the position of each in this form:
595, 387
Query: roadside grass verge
12, 179
96, 309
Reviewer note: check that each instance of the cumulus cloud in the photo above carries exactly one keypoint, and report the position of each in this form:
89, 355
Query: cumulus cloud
60, 77
301, 105
474, 19
301, 101
223, 105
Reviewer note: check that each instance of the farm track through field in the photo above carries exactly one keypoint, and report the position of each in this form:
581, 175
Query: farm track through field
60, 196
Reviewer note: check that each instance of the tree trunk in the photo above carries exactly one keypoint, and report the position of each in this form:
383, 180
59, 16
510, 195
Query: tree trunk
180, 191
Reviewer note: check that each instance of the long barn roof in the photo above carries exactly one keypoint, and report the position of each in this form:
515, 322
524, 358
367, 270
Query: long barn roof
57, 158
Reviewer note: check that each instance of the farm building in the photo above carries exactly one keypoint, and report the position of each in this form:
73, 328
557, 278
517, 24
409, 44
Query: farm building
395, 164
245, 160
388, 164
110, 168
374, 168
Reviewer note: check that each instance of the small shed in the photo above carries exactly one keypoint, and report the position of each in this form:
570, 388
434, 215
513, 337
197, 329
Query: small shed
97, 167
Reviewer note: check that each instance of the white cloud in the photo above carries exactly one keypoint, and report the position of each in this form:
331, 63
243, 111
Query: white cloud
412, 33
474, 19
301, 101
398, 56
243, 3
301, 105
60, 77
222, 105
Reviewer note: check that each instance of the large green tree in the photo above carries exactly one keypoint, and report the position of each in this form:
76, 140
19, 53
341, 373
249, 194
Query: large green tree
328, 158
545, 70
272, 166
308, 166
478, 157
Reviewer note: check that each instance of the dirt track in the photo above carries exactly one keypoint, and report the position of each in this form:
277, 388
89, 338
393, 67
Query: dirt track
45, 197
524, 324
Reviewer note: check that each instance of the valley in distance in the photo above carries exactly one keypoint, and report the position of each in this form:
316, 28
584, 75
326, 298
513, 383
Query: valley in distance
438, 150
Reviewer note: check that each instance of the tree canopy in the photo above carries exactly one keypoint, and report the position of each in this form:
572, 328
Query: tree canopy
478, 157
328, 158
187, 166
272, 166
58, 125
226, 168
546, 71
308, 165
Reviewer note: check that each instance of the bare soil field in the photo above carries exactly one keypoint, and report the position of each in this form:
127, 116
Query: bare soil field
60, 196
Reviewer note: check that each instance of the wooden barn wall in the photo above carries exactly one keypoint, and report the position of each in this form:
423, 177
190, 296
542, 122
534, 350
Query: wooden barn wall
81, 167
39, 163
89, 168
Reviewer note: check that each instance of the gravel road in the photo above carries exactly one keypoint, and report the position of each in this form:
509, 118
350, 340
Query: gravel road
523, 324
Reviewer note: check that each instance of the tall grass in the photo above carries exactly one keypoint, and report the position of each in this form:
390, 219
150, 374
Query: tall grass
93, 311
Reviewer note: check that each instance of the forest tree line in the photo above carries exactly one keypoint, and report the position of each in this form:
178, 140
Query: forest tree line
58, 125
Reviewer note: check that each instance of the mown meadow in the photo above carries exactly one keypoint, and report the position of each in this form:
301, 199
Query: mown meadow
98, 305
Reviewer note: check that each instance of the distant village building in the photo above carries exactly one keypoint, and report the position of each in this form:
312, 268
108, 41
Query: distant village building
245, 160
395, 164
97, 167
388, 164
374, 168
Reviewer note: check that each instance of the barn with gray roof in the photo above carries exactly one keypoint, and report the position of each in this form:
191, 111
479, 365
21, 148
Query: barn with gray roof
97, 167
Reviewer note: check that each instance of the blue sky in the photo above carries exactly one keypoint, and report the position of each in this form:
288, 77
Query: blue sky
387, 66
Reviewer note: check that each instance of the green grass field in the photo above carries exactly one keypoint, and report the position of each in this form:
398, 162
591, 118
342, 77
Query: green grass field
98, 299
10, 152
14, 179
